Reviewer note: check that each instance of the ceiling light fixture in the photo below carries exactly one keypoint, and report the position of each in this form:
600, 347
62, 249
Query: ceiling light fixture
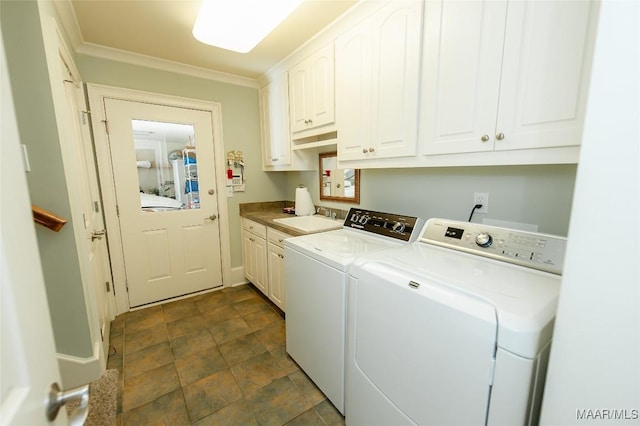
239, 25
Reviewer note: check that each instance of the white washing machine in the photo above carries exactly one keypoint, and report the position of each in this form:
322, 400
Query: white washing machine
316, 277
454, 329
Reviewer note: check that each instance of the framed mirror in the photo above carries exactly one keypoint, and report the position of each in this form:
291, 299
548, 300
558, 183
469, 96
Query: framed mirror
338, 184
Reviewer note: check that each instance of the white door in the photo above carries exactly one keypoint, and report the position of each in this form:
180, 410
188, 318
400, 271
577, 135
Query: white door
86, 186
27, 349
169, 228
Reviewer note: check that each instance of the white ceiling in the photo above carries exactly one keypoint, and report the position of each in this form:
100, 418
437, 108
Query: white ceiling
162, 29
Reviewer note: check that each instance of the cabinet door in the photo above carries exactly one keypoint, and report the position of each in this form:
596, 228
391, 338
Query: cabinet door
276, 139
254, 250
276, 275
545, 73
298, 92
462, 56
248, 256
311, 91
261, 277
396, 74
322, 86
377, 80
353, 91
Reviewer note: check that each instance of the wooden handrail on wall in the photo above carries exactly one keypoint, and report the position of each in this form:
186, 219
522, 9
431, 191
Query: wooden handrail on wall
47, 219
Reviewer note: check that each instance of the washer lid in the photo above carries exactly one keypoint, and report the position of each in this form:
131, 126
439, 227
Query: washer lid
341, 247
525, 300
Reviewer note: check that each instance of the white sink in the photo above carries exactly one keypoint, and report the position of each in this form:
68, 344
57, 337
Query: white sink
310, 223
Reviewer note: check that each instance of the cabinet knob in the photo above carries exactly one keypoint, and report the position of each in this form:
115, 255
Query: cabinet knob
484, 138
500, 136
364, 150
274, 159
371, 149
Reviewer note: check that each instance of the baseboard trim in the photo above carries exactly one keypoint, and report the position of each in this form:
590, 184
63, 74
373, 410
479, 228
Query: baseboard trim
237, 277
76, 371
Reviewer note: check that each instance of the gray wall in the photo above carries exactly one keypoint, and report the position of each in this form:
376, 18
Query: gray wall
240, 122
47, 184
539, 195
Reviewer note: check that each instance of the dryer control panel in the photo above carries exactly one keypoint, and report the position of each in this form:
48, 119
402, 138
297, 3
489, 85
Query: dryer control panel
544, 252
403, 228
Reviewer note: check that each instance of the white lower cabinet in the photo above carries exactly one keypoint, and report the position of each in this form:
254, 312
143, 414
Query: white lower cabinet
263, 256
254, 253
275, 261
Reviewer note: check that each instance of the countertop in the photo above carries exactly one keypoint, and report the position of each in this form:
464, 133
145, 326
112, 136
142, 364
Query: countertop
265, 213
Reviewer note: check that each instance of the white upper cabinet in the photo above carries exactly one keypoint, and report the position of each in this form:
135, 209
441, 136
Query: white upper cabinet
274, 118
505, 75
377, 84
311, 92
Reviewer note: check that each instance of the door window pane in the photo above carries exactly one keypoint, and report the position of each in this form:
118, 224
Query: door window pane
166, 160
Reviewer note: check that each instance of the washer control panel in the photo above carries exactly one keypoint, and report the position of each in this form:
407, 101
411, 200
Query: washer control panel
544, 252
403, 228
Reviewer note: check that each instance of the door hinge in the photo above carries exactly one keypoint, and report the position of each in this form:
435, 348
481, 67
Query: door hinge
83, 116
126, 286
107, 285
101, 334
117, 210
96, 207
106, 126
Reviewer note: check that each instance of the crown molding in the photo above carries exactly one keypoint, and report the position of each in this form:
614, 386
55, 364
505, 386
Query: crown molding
71, 29
69, 22
124, 56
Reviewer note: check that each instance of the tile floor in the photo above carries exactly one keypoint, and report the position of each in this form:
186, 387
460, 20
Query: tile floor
213, 359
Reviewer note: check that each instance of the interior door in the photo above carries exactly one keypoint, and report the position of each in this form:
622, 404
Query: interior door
86, 186
27, 349
164, 177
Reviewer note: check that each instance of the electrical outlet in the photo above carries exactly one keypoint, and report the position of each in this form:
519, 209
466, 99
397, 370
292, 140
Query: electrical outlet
481, 198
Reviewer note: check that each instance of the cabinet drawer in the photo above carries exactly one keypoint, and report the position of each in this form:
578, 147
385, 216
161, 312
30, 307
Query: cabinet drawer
255, 227
276, 237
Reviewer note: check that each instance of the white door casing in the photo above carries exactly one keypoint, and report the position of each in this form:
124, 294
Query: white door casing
83, 194
27, 347
98, 96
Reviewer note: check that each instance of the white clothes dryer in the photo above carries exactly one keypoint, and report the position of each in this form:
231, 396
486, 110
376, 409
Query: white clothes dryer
454, 329
316, 275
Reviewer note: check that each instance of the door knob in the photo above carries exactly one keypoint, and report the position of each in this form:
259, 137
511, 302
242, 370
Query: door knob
212, 217
57, 398
97, 235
